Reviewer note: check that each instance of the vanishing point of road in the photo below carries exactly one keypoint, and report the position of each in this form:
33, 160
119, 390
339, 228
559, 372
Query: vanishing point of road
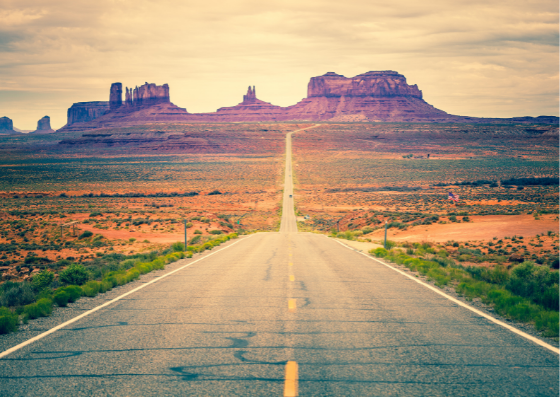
281, 314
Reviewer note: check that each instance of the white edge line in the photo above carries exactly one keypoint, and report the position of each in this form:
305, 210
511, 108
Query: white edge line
472, 309
52, 330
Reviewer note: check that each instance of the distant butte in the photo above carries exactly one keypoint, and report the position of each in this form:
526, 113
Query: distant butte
7, 126
376, 96
43, 126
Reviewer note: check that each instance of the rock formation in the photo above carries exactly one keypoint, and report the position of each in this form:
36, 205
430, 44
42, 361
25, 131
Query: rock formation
147, 95
373, 96
43, 126
147, 103
115, 97
251, 109
82, 112
371, 84
250, 96
7, 126
383, 96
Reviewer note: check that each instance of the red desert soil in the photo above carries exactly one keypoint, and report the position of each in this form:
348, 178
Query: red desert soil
481, 228
125, 235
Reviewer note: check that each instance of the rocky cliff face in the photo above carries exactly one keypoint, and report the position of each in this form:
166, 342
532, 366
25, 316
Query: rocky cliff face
373, 96
146, 95
371, 84
83, 112
7, 126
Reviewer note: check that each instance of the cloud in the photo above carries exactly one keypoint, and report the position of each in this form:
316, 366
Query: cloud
468, 57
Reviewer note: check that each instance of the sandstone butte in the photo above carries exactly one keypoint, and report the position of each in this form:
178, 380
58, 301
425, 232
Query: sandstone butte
43, 126
7, 126
382, 96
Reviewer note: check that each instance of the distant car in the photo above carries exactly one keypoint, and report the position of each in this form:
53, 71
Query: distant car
290, 196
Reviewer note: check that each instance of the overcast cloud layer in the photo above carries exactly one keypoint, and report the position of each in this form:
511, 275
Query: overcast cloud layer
473, 58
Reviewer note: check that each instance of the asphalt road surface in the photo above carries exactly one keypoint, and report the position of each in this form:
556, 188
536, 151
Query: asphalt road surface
277, 314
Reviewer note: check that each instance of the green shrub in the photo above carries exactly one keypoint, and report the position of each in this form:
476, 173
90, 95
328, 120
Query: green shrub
215, 232
74, 291
144, 268
132, 274
197, 231
85, 234
178, 246
91, 288
42, 280
195, 239
105, 286
41, 308
17, 293
379, 252
8, 321
61, 298
536, 283
75, 274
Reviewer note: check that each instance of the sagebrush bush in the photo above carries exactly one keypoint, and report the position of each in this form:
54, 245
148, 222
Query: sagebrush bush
75, 274
91, 288
61, 298
8, 321
379, 252
85, 234
42, 280
74, 291
537, 283
16, 293
41, 308
178, 246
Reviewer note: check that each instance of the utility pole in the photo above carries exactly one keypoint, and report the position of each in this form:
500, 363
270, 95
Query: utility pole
385, 242
185, 223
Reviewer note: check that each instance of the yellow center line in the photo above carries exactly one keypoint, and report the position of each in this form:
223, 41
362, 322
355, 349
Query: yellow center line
292, 278
291, 263
292, 305
291, 379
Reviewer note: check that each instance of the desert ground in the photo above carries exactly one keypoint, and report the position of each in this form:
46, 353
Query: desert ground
352, 179
132, 189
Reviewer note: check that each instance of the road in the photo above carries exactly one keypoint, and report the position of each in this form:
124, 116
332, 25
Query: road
232, 323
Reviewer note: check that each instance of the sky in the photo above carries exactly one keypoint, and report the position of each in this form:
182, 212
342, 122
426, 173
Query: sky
471, 58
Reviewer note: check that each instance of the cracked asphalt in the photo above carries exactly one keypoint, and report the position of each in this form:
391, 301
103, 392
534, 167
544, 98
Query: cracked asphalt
221, 327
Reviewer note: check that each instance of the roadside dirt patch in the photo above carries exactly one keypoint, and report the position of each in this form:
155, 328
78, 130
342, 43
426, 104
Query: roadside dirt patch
481, 228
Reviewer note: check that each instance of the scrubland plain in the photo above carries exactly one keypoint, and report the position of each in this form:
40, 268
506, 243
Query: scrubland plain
353, 178
133, 192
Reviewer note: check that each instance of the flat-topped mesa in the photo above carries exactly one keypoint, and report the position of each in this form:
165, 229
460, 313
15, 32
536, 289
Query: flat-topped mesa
147, 95
82, 112
386, 83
